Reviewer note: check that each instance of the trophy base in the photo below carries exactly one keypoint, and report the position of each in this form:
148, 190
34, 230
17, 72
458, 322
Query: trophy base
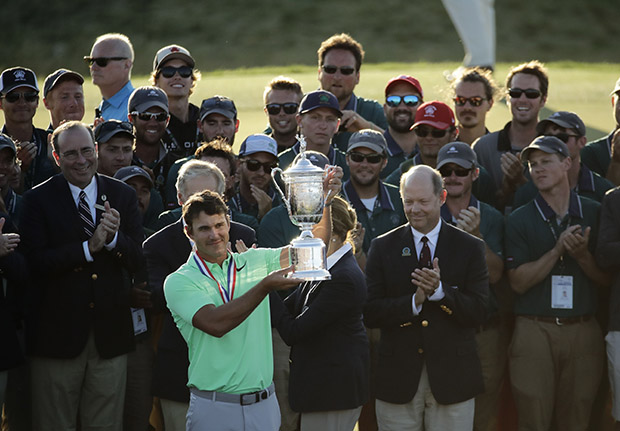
312, 275
308, 256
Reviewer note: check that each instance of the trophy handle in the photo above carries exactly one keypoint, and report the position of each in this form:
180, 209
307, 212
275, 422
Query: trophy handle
275, 183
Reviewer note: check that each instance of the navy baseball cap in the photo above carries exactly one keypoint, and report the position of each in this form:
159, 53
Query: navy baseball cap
565, 119
319, 99
259, 143
457, 152
218, 105
108, 129
548, 144
59, 76
15, 77
146, 97
7, 142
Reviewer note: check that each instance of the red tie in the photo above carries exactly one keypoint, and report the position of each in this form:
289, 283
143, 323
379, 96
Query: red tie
425, 255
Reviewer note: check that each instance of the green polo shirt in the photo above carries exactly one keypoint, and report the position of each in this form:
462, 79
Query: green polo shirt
369, 109
241, 361
529, 236
597, 155
335, 156
276, 228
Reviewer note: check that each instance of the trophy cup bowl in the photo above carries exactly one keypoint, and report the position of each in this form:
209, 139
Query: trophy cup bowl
304, 188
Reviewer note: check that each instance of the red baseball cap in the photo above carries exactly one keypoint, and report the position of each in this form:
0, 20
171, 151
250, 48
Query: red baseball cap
409, 80
436, 114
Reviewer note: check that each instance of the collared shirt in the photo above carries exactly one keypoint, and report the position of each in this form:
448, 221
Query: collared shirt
91, 199
433, 237
240, 204
368, 109
115, 108
596, 155
395, 153
335, 156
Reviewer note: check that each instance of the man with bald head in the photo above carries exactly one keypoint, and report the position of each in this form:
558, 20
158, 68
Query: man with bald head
428, 287
110, 61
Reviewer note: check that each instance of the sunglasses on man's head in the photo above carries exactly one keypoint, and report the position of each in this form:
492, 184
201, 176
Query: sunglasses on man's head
169, 71
31, 96
530, 93
435, 133
254, 165
102, 61
275, 108
345, 70
446, 171
147, 116
373, 159
408, 100
473, 101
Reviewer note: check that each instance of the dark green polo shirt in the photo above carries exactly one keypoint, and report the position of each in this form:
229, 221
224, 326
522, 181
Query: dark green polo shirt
529, 236
596, 155
369, 109
276, 229
335, 156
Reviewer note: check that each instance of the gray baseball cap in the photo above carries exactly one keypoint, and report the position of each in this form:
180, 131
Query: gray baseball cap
548, 144
370, 139
7, 142
128, 172
565, 119
457, 152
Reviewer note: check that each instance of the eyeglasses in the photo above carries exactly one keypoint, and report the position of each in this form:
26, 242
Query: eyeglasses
345, 70
254, 165
102, 61
530, 93
373, 159
147, 116
447, 171
564, 137
435, 133
275, 108
409, 100
73, 155
31, 96
183, 71
473, 101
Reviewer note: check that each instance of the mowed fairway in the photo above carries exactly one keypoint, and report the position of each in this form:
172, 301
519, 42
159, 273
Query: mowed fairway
580, 87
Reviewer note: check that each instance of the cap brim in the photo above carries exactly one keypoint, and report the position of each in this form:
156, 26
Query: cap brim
4, 145
148, 105
8, 90
105, 137
65, 76
177, 55
466, 164
130, 176
436, 124
527, 150
224, 112
337, 111
540, 127
371, 146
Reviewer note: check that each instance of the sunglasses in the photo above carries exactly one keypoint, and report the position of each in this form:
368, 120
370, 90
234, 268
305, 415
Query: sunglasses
31, 96
373, 159
409, 100
564, 137
447, 171
345, 70
102, 61
435, 133
530, 93
147, 116
254, 165
473, 101
169, 71
275, 108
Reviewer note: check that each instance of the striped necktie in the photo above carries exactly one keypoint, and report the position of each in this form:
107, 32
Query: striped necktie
85, 215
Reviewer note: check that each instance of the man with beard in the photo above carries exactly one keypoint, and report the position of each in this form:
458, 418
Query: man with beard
63, 96
498, 152
148, 112
456, 163
256, 195
340, 61
403, 96
473, 90
282, 97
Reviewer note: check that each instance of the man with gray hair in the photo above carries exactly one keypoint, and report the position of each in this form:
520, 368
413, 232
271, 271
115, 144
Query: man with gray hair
110, 61
165, 251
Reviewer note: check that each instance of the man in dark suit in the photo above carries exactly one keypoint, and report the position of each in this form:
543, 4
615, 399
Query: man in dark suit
165, 252
81, 236
429, 371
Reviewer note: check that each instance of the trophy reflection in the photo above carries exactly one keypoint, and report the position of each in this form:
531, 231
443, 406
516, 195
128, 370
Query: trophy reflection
304, 188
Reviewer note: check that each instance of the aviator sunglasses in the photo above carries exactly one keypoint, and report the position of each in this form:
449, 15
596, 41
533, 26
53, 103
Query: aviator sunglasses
345, 70
275, 108
473, 101
446, 171
147, 116
254, 165
169, 71
373, 159
530, 93
31, 96
408, 100
102, 61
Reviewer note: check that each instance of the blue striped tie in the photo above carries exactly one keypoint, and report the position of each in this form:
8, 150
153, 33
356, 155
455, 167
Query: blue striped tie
85, 215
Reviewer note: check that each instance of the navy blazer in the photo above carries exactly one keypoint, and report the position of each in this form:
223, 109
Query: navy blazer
330, 358
165, 251
70, 297
442, 336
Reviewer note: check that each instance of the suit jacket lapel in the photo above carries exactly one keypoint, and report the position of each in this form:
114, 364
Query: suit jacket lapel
406, 248
101, 199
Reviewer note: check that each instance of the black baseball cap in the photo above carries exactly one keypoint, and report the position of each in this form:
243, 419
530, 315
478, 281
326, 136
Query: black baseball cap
59, 76
565, 119
319, 99
146, 97
108, 129
548, 144
15, 77
218, 105
7, 142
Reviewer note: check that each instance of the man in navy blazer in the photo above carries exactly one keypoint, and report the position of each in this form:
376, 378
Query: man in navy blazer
165, 251
427, 291
79, 325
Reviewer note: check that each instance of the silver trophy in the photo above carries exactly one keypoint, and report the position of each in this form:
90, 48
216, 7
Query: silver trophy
304, 188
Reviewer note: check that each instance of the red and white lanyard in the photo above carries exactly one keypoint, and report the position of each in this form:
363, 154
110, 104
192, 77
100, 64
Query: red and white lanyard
228, 292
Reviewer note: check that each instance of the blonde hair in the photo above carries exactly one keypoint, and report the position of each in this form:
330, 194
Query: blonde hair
344, 220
